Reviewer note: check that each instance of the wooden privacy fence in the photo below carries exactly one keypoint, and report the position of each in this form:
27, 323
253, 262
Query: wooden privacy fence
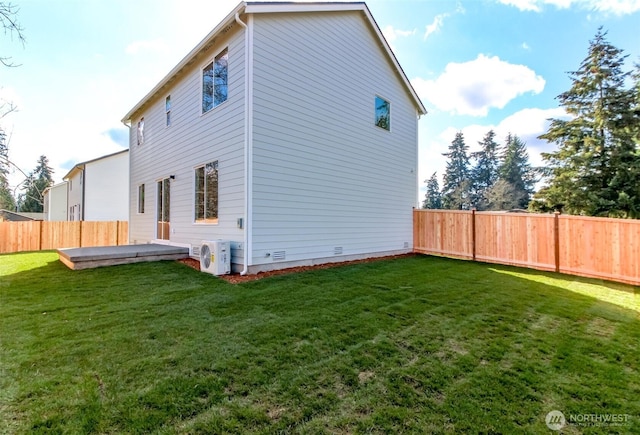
42, 235
578, 245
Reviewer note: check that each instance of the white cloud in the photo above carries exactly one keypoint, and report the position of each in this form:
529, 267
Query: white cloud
391, 34
435, 25
525, 46
617, 7
472, 88
136, 47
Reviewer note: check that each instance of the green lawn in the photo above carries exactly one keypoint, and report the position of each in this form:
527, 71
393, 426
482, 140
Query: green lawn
414, 345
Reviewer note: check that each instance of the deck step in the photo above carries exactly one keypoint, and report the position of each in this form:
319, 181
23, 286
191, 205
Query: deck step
99, 256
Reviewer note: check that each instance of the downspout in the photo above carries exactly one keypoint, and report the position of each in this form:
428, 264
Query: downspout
84, 183
248, 139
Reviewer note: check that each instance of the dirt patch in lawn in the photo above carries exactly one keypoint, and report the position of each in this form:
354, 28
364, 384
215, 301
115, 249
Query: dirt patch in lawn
236, 278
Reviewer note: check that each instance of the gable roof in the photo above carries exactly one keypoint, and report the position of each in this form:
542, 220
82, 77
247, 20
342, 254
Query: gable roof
14, 216
81, 165
248, 7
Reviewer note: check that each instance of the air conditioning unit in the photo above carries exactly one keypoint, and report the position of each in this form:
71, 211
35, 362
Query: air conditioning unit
215, 257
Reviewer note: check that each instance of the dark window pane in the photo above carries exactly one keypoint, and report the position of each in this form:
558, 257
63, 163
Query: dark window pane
383, 115
211, 174
199, 200
167, 200
207, 88
141, 198
220, 77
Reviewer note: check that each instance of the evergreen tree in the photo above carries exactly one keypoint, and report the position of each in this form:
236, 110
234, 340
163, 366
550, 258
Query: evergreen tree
433, 197
456, 187
596, 169
516, 171
41, 178
485, 171
7, 200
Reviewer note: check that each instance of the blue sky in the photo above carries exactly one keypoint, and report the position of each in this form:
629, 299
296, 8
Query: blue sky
477, 65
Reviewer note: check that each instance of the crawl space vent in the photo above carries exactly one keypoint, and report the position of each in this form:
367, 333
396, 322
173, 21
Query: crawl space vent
337, 250
278, 256
406, 245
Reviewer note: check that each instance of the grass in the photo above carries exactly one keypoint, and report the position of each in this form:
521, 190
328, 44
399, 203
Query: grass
414, 345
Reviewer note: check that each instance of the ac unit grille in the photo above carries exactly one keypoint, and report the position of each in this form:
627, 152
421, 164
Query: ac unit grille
195, 250
205, 256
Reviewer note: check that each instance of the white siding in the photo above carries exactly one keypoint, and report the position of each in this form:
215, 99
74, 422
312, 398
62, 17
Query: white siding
193, 139
325, 176
56, 200
106, 188
75, 195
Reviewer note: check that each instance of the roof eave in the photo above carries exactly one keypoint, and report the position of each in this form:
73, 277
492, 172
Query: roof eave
185, 61
275, 7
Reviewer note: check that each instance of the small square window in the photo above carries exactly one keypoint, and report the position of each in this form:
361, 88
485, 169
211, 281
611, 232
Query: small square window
383, 113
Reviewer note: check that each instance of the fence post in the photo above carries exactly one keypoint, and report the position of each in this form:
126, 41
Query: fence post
556, 239
80, 232
117, 233
473, 234
40, 237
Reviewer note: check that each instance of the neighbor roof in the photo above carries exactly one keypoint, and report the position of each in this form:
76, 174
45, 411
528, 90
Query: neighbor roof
277, 7
82, 164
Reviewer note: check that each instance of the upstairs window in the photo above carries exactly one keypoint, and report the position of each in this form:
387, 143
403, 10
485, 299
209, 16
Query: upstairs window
214, 82
140, 131
383, 113
167, 109
206, 189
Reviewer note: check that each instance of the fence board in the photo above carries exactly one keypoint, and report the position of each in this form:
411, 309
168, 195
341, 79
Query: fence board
600, 248
37, 235
518, 239
57, 235
586, 246
450, 235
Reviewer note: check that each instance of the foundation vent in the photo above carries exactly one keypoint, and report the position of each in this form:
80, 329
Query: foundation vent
279, 255
337, 250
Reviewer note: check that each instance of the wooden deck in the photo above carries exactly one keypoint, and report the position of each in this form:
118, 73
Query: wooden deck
88, 258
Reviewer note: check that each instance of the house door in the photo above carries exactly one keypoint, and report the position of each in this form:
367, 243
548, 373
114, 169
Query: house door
163, 202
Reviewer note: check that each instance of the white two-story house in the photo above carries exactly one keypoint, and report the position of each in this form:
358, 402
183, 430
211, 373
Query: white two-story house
98, 189
291, 130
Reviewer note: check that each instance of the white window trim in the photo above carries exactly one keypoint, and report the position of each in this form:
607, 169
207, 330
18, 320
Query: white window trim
374, 112
145, 197
140, 131
202, 67
167, 113
212, 222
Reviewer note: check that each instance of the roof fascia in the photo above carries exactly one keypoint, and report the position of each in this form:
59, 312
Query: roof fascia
274, 7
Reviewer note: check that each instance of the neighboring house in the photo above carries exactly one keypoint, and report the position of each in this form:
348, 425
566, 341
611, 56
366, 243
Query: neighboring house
290, 130
12, 216
98, 189
55, 202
